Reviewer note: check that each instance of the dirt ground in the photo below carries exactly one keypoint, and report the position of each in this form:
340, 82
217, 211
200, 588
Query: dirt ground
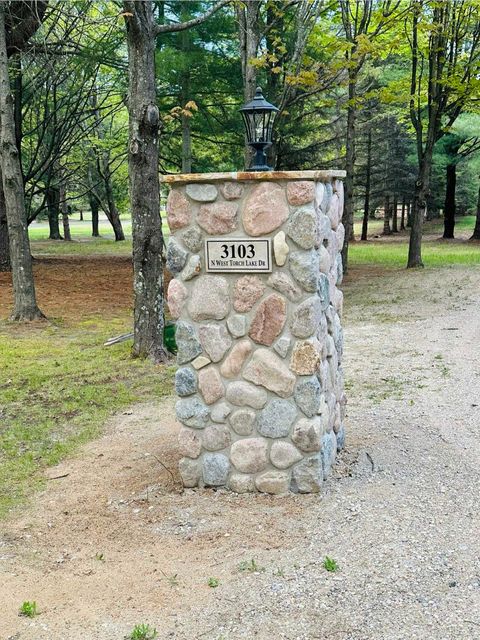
113, 542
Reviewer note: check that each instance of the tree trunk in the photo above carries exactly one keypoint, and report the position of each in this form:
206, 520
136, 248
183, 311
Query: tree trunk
450, 209
418, 209
402, 220
476, 231
386, 217
366, 205
25, 303
350, 168
4, 249
94, 209
111, 212
64, 209
395, 214
53, 209
144, 125
409, 215
184, 98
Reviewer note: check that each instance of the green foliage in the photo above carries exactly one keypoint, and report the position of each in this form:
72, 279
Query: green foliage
250, 566
143, 632
329, 564
28, 609
213, 582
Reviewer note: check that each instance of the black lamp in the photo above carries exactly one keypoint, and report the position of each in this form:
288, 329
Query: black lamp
258, 118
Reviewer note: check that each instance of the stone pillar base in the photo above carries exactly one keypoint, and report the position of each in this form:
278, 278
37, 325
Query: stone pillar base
260, 384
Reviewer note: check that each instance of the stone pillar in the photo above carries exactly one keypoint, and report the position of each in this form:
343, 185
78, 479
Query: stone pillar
259, 382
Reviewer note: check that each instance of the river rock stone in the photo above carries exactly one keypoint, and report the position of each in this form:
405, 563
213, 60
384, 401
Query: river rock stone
307, 476
189, 472
233, 363
242, 421
339, 269
323, 291
265, 209
275, 421
200, 362
305, 358
231, 190
176, 256
304, 267
249, 455
192, 268
325, 261
269, 320
283, 454
338, 188
188, 344
210, 385
319, 193
283, 283
185, 381
209, 299
327, 196
243, 394
333, 212
216, 437
218, 218
176, 297
341, 438
282, 345
307, 395
215, 469
302, 227
215, 339
202, 192
307, 434
241, 483
178, 210
193, 239
192, 412
306, 317
246, 292
189, 443
274, 482
280, 248
328, 452
300, 192
340, 232
220, 412
266, 369
237, 325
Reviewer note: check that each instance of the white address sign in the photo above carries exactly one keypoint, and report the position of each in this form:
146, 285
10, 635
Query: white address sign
238, 254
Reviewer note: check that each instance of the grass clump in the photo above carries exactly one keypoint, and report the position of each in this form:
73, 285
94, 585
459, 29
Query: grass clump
143, 632
28, 609
250, 566
329, 564
213, 582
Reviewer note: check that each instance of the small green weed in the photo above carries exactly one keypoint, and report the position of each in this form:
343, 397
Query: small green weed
250, 566
173, 580
143, 632
213, 582
279, 572
330, 564
28, 609
100, 557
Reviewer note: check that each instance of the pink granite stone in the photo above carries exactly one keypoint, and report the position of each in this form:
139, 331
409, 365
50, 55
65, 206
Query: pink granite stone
218, 218
231, 190
246, 292
189, 442
300, 192
265, 209
178, 210
266, 369
210, 385
176, 297
233, 363
269, 320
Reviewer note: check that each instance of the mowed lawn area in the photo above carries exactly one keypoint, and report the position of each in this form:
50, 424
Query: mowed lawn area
59, 384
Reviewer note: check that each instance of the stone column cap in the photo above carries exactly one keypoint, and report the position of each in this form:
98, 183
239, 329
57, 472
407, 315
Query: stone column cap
179, 178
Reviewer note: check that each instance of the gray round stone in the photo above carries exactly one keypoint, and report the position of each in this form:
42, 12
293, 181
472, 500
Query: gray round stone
323, 291
193, 239
307, 395
304, 267
216, 437
276, 419
176, 256
185, 381
307, 476
242, 421
328, 452
192, 412
306, 317
202, 192
189, 472
302, 226
215, 469
188, 344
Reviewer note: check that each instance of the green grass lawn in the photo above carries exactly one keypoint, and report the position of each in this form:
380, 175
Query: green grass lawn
57, 387
394, 254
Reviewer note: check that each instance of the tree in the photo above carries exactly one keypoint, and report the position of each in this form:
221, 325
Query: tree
25, 303
144, 125
446, 35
